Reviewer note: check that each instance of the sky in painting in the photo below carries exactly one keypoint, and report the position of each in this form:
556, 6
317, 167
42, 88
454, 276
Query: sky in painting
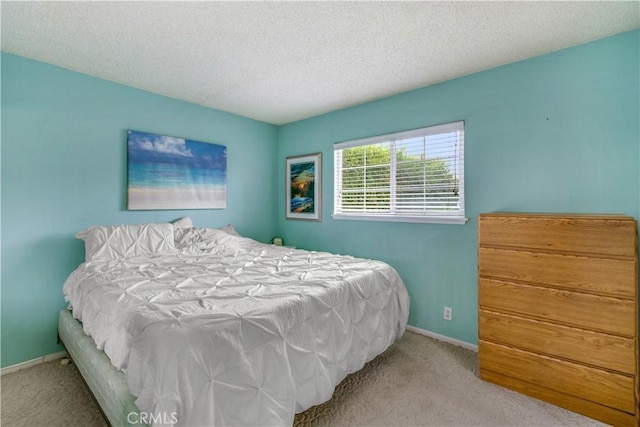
151, 148
157, 161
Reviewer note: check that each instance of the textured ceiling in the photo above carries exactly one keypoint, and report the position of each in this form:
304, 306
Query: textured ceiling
284, 61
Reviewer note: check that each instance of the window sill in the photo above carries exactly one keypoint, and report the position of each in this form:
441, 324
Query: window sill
393, 218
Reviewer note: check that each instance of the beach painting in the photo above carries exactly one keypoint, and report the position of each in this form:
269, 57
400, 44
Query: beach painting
165, 172
304, 185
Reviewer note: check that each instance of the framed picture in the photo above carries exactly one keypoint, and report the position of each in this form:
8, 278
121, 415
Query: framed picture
165, 172
304, 187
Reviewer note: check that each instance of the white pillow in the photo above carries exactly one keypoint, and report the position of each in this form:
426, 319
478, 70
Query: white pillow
184, 222
195, 239
230, 230
104, 243
185, 237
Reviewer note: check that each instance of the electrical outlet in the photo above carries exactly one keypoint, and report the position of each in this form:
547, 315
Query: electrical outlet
448, 313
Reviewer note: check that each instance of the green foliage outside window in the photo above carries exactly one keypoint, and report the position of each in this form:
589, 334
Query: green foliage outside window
419, 182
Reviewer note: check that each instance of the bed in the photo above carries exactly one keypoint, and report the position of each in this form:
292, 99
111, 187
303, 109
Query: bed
209, 328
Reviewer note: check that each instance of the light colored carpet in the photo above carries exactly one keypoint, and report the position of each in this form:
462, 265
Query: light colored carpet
50, 394
417, 382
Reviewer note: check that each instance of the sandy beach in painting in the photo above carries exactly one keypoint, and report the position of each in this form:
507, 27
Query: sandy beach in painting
144, 198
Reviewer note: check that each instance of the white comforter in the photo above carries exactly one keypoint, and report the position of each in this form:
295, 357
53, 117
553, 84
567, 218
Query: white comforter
234, 332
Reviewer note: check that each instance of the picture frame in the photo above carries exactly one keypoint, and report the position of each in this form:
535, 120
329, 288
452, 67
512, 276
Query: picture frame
165, 172
304, 187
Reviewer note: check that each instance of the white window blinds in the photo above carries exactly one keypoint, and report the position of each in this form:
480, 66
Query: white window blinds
413, 176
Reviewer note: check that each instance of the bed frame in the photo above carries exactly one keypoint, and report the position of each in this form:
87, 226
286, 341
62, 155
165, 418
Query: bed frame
107, 384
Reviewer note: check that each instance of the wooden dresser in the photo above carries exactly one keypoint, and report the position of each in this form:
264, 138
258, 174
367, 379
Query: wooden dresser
558, 312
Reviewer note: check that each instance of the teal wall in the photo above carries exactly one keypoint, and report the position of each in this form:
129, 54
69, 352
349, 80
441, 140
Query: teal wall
64, 168
555, 133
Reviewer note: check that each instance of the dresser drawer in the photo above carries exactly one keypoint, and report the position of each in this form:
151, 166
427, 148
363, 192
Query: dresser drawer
604, 276
614, 236
591, 409
609, 389
593, 348
585, 311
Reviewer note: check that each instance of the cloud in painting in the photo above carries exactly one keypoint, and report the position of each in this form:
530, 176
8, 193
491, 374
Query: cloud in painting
145, 148
164, 145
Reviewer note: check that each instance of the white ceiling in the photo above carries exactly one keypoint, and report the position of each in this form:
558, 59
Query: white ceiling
284, 61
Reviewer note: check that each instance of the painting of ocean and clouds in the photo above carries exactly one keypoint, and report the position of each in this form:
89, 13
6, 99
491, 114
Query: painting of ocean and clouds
304, 186
175, 173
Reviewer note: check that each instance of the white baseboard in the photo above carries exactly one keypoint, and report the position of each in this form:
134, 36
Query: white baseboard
33, 362
444, 338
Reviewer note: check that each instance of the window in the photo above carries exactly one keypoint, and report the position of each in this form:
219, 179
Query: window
412, 176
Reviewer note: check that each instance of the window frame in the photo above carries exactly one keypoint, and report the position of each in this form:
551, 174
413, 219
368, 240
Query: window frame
394, 216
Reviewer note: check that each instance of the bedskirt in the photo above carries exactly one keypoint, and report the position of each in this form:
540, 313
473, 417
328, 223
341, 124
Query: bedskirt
108, 385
